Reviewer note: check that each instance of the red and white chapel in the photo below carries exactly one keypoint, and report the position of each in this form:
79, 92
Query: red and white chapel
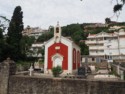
61, 51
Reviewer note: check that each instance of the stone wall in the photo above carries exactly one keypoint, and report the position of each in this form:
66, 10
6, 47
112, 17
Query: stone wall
36, 85
7, 68
16, 84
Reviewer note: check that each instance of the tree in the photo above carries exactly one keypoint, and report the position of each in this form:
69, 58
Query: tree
3, 25
1, 44
119, 5
107, 20
26, 43
69, 30
14, 34
45, 36
84, 48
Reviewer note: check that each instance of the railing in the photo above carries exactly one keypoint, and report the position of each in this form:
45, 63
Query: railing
94, 42
100, 41
92, 48
90, 42
97, 54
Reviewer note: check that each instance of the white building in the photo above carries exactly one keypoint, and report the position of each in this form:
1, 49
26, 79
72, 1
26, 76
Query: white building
35, 50
107, 45
33, 31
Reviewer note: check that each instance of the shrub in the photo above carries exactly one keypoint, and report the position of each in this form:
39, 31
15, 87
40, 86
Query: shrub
23, 65
56, 71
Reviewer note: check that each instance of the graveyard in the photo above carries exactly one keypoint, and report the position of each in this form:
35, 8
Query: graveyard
31, 83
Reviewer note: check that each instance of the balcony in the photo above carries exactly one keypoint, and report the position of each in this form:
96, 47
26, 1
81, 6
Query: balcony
96, 48
96, 54
101, 41
90, 42
94, 42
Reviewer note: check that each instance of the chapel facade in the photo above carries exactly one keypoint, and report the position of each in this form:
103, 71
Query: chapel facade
61, 51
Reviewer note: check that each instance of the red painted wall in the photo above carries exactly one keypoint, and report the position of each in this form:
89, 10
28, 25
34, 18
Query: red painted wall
63, 51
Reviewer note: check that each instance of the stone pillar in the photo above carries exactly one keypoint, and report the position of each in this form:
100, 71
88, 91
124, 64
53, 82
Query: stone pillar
7, 68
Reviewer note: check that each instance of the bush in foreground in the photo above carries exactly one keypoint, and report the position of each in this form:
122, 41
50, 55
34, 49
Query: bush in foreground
56, 71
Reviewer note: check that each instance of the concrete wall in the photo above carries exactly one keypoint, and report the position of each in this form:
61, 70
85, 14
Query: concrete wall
36, 85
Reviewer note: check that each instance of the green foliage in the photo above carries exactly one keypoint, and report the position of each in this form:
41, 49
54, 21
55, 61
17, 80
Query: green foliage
77, 36
107, 20
57, 71
23, 65
84, 48
15, 34
98, 30
3, 17
117, 7
26, 43
118, 24
45, 36
3, 46
69, 30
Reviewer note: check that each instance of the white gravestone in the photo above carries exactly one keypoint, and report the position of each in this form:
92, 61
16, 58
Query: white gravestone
31, 70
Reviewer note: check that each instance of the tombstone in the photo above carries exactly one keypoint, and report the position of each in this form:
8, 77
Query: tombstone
92, 67
31, 70
81, 71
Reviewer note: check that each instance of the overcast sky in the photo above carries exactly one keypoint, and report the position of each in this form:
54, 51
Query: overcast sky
44, 13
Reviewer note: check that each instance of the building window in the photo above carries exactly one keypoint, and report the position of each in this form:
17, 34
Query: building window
93, 59
104, 38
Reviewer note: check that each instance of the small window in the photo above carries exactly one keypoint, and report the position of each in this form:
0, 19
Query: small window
93, 59
104, 38
57, 30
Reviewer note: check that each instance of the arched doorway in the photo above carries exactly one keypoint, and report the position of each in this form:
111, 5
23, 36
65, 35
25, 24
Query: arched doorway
57, 60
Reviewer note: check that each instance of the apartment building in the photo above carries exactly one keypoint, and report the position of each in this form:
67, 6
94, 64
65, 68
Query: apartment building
33, 31
107, 45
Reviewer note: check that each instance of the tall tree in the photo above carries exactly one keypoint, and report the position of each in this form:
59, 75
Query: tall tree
3, 25
1, 43
15, 34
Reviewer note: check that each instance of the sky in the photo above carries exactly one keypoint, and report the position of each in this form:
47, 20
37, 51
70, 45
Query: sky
45, 13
